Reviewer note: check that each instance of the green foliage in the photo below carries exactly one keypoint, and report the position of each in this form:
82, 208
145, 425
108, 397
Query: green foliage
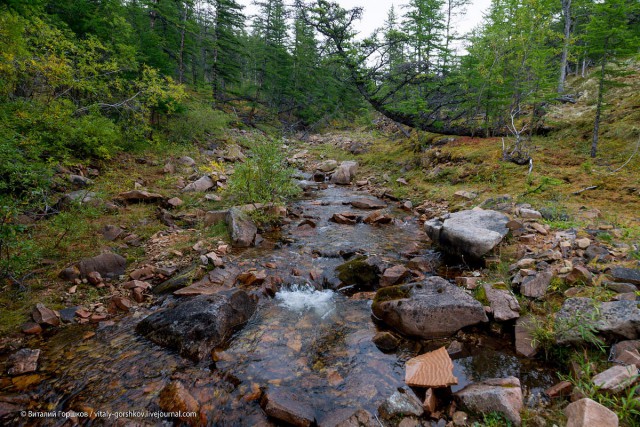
624, 404
493, 419
264, 177
198, 123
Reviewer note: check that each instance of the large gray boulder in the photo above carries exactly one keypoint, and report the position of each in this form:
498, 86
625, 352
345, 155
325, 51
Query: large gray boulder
195, 326
345, 173
429, 309
494, 395
618, 319
471, 233
242, 230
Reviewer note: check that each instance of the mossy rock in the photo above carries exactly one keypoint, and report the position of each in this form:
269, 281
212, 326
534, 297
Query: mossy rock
358, 271
391, 293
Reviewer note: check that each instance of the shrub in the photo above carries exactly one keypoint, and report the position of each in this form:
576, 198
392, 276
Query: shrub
264, 177
197, 122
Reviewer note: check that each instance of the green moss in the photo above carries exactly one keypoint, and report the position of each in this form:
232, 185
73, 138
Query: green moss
358, 272
392, 293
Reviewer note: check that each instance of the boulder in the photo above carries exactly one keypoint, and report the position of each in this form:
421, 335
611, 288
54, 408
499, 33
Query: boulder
345, 173
429, 309
242, 230
23, 361
401, 403
621, 288
45, 316
108, 264
471, 233
327, 166
536, 286
588, 413
504, 304
502, 395
363, 203
616, 378
287, 407
627, 275
195, 326
620, 319
202, 184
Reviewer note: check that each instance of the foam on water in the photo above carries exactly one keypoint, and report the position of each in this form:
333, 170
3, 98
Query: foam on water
302, 298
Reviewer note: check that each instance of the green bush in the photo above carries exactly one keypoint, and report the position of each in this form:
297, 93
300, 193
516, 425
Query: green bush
197, 122
264, 177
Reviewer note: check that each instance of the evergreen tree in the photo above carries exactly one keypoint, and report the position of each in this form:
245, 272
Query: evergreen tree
609, 36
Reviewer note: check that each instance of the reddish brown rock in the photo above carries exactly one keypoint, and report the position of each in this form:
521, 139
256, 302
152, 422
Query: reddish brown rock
579, 275
430, 402
468, 282
588, 413
31, 328
433, 370
45, 316
138, 295
286, 407
94, 278
122, 303
345, 218
378, 217
393, 275
23, 361
252, 277
174, 397
561, 389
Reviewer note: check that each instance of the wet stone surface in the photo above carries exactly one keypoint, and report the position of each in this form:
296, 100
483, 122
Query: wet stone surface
314, 344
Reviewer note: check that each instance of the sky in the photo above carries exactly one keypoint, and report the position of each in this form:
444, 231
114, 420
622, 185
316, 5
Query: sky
375, 13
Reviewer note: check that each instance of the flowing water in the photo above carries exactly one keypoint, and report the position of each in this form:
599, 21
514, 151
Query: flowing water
313, 342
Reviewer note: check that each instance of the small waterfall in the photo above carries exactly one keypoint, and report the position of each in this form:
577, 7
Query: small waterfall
302, 298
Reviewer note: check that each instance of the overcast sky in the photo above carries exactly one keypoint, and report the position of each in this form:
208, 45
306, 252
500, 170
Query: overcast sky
375, 13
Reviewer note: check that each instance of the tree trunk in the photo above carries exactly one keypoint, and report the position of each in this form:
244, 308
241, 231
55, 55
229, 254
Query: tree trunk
566, 12
183, 29
596, 123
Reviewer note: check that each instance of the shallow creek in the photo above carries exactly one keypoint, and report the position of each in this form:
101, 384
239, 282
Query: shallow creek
313, 343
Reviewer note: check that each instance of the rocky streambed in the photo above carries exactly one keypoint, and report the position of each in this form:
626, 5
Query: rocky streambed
284, 332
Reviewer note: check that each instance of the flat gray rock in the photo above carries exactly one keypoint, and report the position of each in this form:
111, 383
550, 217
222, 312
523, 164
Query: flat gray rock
619, 319
470, 233
502, 395
429, 309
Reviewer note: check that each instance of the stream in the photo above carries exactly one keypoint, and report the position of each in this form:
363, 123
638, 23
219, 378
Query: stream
315, 343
